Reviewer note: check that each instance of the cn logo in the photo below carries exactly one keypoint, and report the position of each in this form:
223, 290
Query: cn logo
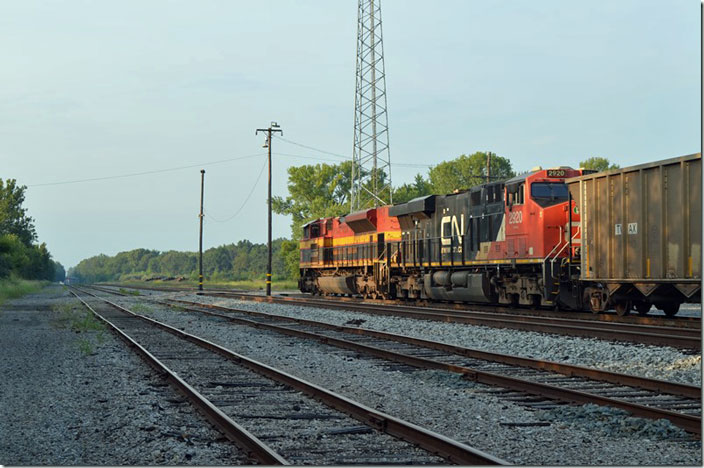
449, 228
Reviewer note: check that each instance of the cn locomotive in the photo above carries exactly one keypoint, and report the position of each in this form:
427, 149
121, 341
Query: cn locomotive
516, 242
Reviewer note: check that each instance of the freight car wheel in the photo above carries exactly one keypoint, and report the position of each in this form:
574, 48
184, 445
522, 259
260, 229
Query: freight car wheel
670, 309
642, 307
623, 308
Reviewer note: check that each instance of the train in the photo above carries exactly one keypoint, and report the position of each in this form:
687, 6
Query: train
533, 240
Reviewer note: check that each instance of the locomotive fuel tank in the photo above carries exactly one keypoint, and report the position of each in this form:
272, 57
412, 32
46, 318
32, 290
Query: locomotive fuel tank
458, 286
337, 284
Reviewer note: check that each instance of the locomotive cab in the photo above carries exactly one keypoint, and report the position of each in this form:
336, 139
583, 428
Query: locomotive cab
540, 219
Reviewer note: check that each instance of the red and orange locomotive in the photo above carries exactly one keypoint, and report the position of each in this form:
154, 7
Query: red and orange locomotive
512, 242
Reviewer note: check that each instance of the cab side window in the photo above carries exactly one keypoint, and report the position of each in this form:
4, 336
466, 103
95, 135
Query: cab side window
515, 194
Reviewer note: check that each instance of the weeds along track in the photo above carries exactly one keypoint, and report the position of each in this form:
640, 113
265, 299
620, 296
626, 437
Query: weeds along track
276, 417
528, 382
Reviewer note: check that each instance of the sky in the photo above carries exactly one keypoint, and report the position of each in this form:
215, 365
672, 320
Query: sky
97, 90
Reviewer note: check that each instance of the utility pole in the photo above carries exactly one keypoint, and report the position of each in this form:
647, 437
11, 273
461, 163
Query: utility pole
200, 243
488, 167
273, 128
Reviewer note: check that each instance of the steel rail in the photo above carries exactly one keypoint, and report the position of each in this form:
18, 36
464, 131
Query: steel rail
659, 321
668, 336
438, 444
679, 337
255, 448
442, 312
671, 388
688, 422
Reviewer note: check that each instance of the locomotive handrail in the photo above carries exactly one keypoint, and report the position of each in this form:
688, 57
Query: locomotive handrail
547, 257
566, 244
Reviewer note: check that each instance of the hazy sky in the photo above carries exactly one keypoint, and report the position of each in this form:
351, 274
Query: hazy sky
93, 89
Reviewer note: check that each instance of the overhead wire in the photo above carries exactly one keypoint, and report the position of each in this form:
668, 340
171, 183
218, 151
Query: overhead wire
346, 158
256, 182
312, 148
222, 161
156, 171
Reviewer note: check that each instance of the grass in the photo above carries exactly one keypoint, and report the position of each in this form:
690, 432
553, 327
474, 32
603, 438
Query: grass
130, 292
12, 288
80, 320
141, 308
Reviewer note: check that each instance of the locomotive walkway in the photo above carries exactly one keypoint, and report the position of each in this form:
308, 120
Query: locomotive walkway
227, 386
529, 382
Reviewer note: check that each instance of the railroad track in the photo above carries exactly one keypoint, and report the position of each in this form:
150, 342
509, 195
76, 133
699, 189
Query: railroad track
527, 382
685, 335
675, 322
678, 337
269, 413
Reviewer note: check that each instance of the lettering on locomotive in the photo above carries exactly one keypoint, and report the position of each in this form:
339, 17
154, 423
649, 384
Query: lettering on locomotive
456, 230
515, 217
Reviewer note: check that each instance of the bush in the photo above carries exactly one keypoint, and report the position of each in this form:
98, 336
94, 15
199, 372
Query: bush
12, 288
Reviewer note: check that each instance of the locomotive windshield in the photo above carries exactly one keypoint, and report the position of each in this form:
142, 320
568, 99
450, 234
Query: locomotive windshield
549, 193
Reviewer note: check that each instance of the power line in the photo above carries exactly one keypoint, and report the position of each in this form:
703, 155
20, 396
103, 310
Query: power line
313, 148
347, 158
245, 200
305, 157
156, 171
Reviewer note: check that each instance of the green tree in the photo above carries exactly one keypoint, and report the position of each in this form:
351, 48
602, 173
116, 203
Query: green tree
290, 256
467, 171
13, 217
315, 191
59, 272
598, 164
420, 187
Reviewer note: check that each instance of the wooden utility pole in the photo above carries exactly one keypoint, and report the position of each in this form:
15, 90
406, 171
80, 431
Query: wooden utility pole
200, 243
488, 167
273, 128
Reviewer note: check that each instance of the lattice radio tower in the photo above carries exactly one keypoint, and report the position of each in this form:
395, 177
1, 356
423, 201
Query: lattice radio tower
371, 164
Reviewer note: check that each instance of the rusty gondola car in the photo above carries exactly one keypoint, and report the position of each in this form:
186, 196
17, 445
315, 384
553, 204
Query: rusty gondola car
641, 234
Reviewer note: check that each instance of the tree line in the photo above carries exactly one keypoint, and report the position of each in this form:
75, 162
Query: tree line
20, 255
232, 262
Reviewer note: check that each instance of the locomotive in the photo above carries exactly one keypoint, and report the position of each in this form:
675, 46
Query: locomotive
516, 242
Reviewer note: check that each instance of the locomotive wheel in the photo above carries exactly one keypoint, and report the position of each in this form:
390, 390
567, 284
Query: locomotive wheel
642, 307
623, 308
514, 298
534, 301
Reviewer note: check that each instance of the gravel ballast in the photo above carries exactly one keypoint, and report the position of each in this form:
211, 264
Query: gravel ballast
657, 362
462, 410
84, 398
